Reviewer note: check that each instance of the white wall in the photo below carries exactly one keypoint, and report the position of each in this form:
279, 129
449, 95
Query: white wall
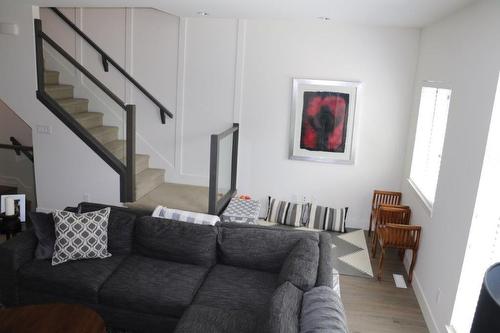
463, 52
230, 70
383, 59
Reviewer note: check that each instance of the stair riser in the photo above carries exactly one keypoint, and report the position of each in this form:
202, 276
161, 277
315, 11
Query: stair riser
141, 164
107, 136
51, 78
94, 121
66, 92
148, 185
76, 108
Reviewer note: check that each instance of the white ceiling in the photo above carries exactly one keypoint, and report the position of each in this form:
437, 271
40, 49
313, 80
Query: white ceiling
402, 13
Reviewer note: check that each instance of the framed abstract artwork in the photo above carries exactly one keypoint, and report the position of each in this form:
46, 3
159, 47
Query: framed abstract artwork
322, 123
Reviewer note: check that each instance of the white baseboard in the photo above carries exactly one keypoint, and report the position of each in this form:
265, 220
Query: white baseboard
424, 306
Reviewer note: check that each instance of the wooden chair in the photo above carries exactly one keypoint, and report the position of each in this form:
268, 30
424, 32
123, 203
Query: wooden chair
385, 214
382, 197
399, 236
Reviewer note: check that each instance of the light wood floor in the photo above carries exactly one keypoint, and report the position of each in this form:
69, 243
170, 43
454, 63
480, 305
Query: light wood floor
374, 306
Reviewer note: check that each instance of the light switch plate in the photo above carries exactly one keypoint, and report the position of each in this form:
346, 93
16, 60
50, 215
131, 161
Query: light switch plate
43, 129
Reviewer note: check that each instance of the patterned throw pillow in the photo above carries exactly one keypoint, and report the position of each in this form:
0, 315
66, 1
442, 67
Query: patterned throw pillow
325, 218
80, 236
284, 212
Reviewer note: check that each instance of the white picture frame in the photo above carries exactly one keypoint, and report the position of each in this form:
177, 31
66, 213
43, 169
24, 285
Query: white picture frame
323, 120
21, 198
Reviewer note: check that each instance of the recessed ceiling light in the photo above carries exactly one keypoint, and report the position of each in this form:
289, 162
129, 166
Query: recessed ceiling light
201, 13
323, 18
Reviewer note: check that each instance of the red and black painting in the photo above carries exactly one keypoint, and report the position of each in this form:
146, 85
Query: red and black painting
324, 121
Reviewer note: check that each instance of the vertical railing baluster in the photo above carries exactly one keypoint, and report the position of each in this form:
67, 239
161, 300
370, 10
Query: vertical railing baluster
234, 158
130, 152
214, 172
40, 70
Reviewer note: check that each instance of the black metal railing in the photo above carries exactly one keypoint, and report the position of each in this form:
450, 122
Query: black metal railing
127, 170
217, 201
18, 148
106, 60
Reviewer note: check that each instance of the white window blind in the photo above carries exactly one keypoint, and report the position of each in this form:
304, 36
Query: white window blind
429, 139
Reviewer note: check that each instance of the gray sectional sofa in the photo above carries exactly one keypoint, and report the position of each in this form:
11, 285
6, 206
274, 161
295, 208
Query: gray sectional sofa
166, 276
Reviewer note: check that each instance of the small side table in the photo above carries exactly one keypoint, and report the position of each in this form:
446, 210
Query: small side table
241, 211
10, 225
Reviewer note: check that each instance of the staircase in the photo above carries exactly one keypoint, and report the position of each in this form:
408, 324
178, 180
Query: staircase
147, 179
140, 185
150, 188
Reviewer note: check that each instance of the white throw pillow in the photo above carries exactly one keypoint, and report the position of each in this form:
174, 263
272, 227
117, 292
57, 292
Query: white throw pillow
80, 236
185, 216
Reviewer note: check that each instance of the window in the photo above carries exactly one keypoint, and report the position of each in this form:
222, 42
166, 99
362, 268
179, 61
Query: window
431, 128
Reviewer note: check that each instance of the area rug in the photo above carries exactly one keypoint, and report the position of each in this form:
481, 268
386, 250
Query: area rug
351, 255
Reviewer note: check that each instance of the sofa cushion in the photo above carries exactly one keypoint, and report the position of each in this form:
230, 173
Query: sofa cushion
322, 311
80, 279
205, 319
301, 265
176, 241
153, 286
121, 224
236, 288
256, 247
285, 308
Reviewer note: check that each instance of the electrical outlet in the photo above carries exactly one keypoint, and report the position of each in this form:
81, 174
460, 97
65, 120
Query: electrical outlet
438, 296
43, 129
86, 197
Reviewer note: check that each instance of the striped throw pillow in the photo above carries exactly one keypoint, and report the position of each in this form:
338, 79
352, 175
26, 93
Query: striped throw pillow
287, 213
325, 218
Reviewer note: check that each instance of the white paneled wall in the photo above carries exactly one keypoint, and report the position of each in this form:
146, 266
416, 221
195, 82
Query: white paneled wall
213, 72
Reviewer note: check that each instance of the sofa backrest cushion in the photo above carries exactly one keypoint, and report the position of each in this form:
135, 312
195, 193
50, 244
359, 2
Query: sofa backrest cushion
44, 228
322, 311
84, 207
285, 309
258, 247
301, 265
121, 224
176, 241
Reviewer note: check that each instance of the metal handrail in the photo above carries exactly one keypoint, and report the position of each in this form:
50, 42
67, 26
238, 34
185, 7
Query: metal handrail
19, 148
126, 171
107, 59
82, 69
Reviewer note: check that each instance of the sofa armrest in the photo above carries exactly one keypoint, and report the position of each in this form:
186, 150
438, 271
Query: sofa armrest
14, 253
327, 274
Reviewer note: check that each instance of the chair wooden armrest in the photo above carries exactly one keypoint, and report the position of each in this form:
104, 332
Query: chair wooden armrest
400, 235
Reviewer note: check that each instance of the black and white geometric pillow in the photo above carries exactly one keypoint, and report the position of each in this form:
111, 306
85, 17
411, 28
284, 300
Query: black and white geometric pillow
80, 236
